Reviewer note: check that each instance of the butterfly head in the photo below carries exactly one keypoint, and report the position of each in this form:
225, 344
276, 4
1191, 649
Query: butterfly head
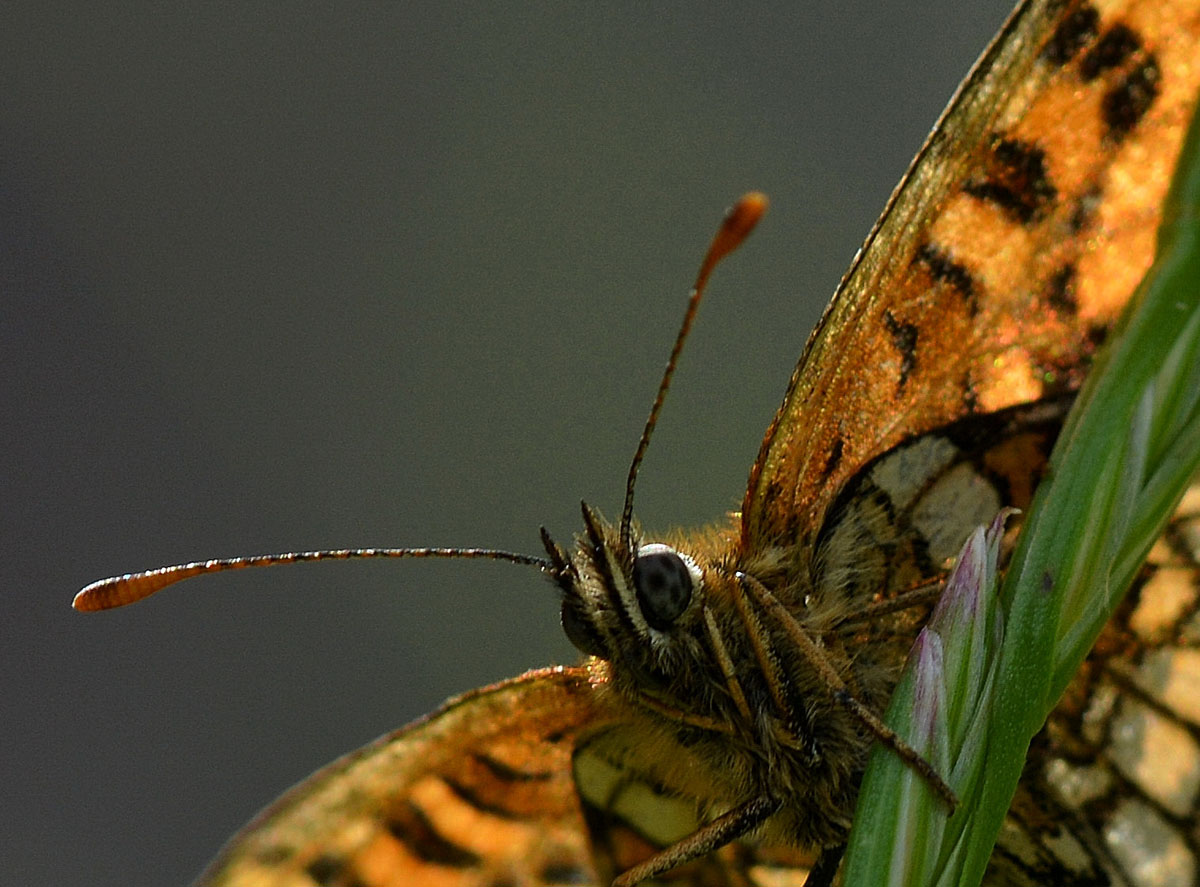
630, 604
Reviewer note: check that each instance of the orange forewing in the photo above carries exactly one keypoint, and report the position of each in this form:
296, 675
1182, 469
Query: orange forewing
478, 792
1012, 243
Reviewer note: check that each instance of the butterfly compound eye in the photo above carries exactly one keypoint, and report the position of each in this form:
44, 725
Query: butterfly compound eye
663, 584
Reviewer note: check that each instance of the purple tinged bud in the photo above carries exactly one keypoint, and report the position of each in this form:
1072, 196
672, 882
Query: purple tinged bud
929, 692
955, 652
961, 599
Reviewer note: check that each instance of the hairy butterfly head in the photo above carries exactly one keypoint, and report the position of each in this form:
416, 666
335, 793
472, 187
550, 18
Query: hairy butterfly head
634, 606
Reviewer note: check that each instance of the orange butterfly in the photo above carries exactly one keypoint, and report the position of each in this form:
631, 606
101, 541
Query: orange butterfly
734, 677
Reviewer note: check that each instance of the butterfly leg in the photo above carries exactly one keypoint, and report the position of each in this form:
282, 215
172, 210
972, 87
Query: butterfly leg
827, 865
837, 688
725, 828
925, 594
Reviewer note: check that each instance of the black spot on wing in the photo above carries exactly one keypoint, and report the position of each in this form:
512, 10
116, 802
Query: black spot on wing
508, 773
835, 457
1083, 213
1096, 334
1124, 106
944, 269
1060, 289
904, 337
481, 799
1116, 45
411, 827
1073, 33
1016, 180
330, 871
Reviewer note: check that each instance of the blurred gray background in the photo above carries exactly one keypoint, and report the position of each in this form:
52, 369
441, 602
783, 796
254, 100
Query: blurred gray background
373, 274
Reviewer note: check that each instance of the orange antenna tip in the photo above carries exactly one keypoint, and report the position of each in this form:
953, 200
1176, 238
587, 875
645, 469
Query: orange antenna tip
739, 222
117, 591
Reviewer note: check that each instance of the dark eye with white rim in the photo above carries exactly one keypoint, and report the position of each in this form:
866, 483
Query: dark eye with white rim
663, 583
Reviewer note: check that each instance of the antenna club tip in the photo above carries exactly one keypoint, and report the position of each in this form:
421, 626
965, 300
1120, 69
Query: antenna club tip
117, 591
90, 599
755, 202
739, 222
744, 214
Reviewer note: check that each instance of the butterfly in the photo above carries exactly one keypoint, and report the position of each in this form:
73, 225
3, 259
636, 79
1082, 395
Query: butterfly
734, 676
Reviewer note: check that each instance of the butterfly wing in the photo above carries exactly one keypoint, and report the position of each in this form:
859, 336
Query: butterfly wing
1014, 240
1112, 782
480, 792
485, 791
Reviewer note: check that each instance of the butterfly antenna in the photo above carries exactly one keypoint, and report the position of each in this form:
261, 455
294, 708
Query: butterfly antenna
738, 223
117, 591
